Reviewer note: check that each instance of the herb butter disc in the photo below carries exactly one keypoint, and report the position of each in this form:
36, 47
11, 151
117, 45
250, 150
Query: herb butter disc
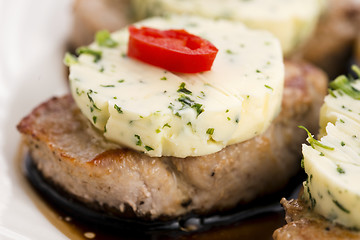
333, 168
292, 21
162, 113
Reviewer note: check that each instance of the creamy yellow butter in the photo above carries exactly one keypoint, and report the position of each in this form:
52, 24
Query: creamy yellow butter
332, 187
140, 106
292, 21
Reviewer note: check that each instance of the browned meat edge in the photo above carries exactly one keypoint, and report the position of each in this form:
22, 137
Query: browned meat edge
304, 224
71, 153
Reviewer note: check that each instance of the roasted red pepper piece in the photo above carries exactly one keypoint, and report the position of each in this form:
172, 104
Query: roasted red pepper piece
173, 50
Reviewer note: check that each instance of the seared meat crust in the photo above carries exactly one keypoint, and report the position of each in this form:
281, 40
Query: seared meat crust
304, 224
75, 156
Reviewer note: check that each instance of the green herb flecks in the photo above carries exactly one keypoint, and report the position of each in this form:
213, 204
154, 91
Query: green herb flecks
343, 84
187, 102
139, 142
356, 70
94, 119
331, 92
198, 108
210, 131
148, 148
267, 86
313, 141
78, 92
340, 170
107, 86
163, 78
103, 38
342, 208
91, 99
70, 59
85, 50
118, 109
312, 200
183, 89
166, 125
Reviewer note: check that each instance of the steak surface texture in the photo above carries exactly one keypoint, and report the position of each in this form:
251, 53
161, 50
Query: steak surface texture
73, 155
304, 224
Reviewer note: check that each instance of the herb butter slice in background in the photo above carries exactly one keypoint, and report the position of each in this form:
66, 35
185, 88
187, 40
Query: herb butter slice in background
333, 185
291, 21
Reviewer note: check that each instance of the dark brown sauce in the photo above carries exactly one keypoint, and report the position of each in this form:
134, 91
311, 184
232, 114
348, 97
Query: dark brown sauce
259, 226
49, 212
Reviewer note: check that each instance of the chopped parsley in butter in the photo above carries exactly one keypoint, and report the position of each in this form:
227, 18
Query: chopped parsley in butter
332, 187
162, 113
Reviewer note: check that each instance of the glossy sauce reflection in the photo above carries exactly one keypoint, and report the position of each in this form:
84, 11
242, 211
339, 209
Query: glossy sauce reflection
259, 227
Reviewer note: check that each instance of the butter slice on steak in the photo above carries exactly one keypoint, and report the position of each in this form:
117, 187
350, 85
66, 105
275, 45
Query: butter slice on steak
71, 153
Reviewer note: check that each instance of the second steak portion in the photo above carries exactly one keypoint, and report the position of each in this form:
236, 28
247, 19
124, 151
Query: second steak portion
305, 224
72, 154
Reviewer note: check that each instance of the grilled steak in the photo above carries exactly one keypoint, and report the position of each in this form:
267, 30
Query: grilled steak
76, 157
304, 224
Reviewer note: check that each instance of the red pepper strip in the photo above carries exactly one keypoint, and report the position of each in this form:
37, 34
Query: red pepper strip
173, 50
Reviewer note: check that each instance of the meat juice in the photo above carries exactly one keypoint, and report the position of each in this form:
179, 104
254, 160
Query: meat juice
256, 226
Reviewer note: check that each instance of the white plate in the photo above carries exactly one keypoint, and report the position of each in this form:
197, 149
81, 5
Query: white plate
32, 44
